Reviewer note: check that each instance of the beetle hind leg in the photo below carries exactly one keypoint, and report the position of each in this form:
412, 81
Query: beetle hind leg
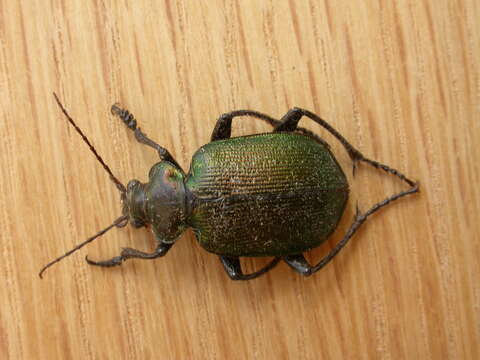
234, 269
299, 264
129, 253
289, 122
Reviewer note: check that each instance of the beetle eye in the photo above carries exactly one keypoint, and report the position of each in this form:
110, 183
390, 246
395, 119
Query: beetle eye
131, 185
137, 223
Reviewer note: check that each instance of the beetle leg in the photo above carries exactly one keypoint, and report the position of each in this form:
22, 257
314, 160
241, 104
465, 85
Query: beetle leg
234, 269
292, 117
299, 264
289, 123
359, 219
129, 120
223, 127
129, 253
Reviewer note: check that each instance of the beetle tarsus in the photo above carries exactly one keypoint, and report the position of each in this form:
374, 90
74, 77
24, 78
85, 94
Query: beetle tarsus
125, 115
129, 120
129, 253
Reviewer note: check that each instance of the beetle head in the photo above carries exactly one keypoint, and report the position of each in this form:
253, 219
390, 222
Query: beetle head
133, 202
161, 202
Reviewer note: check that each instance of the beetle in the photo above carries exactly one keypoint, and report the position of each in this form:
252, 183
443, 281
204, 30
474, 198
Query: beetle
274, 194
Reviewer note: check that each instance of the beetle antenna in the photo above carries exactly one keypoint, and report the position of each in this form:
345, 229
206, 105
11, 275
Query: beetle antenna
121, 221
119, 185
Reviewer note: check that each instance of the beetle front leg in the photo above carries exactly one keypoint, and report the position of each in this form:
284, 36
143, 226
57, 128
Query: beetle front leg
129, 120
234, 269
129, 253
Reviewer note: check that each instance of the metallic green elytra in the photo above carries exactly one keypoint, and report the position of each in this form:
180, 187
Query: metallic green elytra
277, 194
264, 195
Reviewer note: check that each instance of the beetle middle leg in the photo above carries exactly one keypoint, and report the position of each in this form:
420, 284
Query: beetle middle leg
129, 120
223, 127
234, 269
129, 253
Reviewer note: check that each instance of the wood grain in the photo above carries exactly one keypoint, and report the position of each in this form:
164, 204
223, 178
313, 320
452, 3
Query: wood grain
401, 80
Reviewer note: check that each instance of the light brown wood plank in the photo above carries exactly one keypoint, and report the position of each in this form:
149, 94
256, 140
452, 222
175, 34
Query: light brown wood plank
401, 81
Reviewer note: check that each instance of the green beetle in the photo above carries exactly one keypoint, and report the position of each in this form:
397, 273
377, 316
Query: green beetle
277, 194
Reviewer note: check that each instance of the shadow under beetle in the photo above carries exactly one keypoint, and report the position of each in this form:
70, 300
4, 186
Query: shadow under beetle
277, 194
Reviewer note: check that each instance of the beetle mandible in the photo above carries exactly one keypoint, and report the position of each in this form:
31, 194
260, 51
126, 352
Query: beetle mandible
274, 194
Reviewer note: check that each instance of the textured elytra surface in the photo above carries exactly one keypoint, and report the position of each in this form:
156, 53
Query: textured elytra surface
267, 194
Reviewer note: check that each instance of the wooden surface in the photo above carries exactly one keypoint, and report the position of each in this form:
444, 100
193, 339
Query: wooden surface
401, 80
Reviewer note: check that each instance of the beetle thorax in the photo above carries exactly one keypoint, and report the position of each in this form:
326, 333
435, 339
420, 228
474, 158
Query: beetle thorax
159, 202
